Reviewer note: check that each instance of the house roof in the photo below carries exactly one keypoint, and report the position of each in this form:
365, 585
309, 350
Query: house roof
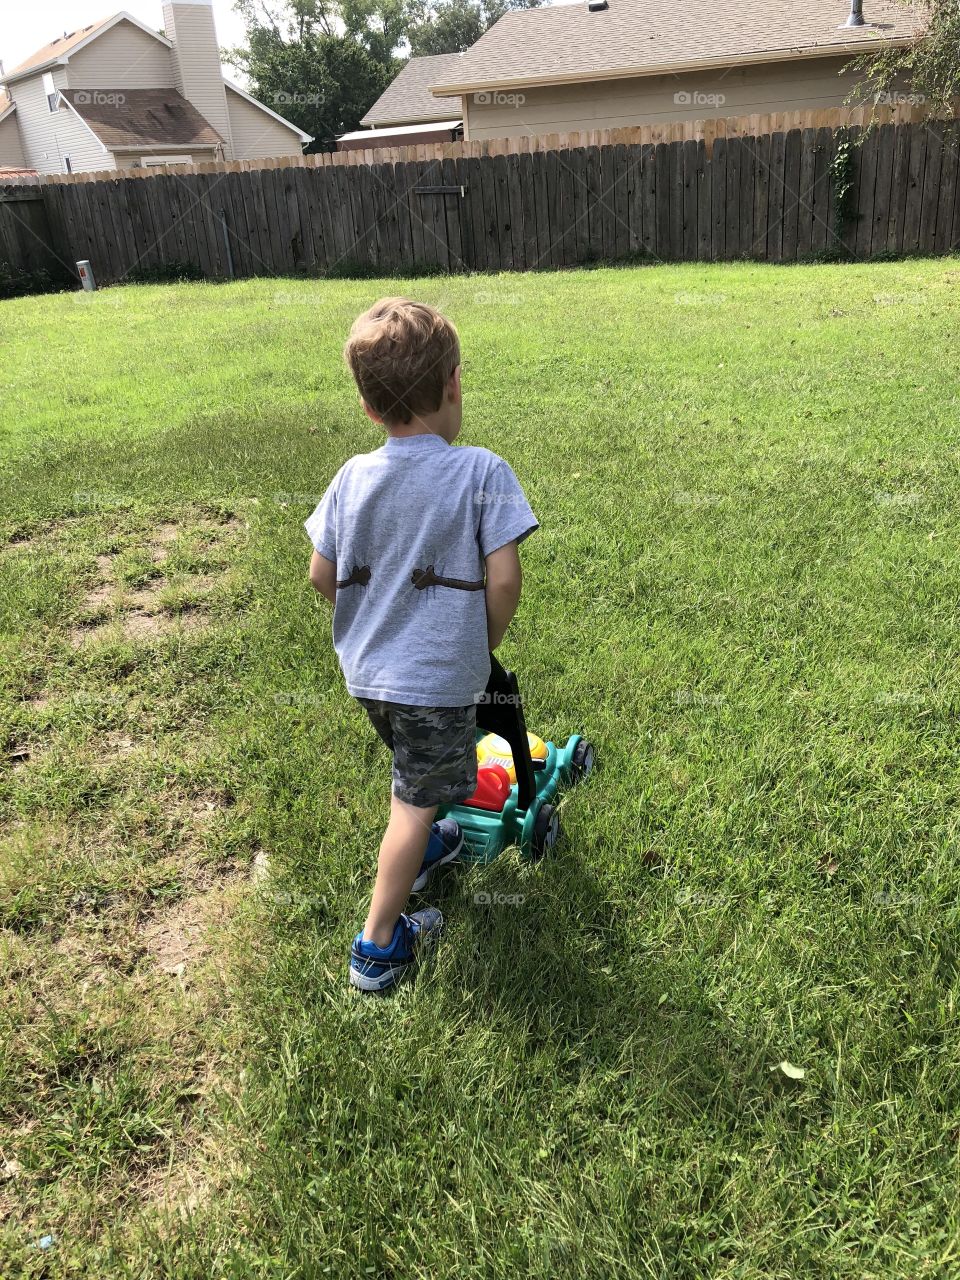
60, 50
567, 43
407, 99
123, 118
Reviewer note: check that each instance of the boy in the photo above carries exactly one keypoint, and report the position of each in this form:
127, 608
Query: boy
416, 546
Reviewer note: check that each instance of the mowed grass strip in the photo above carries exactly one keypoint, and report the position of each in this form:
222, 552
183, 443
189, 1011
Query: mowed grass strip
716, 1033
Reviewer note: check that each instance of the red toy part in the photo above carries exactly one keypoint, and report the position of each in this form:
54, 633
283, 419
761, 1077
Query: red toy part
493, 787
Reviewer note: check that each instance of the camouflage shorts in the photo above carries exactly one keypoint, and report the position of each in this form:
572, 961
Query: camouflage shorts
434, 750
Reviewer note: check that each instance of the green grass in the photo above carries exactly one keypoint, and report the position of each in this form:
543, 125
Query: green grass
744, 590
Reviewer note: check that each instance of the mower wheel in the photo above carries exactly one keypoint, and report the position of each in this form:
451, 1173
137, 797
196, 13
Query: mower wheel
546, 831
583, 759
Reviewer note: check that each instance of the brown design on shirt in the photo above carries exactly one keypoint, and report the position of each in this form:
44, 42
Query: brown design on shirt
359, 577
428, 577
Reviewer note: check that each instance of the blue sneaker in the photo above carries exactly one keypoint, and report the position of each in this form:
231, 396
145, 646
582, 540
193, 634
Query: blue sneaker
444, 845
374, 968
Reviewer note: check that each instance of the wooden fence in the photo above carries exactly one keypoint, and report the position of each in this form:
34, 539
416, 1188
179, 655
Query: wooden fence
771, 198
26, 241
706, 131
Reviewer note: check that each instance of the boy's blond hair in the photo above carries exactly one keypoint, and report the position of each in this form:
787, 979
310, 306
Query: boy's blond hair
402, 354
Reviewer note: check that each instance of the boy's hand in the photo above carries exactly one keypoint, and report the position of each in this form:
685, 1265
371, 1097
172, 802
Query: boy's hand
504, 581
323, 576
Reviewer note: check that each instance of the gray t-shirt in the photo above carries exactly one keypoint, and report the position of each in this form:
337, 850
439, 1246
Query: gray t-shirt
408, 527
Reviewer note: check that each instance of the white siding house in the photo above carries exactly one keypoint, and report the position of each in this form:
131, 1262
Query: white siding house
119, 94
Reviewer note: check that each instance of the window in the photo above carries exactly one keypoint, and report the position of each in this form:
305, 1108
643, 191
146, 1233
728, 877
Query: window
50, 89
158, 162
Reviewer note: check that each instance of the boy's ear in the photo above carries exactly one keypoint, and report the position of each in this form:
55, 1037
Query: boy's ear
454, 390
371, 413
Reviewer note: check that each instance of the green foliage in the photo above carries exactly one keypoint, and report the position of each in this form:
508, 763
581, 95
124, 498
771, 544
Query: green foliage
320, 67
16, 282
841, 171
452, 26
323, 65
929, 67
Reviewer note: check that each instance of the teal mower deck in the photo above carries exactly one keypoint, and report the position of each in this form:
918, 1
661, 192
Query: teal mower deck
503, 811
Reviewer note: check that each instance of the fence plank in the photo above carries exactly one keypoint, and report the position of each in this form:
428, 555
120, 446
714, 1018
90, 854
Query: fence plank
899, 189
528, 204
886, 137
665, 197
484, 219
504, 215
555, 218
690, 153
453, 212
541, 213
675, 172
954, 235
805, 193
761, 197
734, 147
776, 197
791, 194
648, 199
278, 230
620, 201
948, 189
918, 162
594, 204
418, 234
748, 177
578, 168
866, 194
704, 204
718, 167
319, 227
820, 232
931, 187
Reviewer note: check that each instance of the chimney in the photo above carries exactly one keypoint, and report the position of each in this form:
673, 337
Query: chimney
855, 18
188, 25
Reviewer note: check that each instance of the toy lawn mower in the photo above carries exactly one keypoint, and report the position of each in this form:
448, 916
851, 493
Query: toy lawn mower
518, 778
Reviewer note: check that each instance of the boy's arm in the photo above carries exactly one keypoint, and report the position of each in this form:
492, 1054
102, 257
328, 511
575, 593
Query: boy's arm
323, 576
504, 581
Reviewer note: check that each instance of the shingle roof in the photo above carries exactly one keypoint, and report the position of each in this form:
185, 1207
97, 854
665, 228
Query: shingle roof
641, 37
141, 118
407, 99
57, 48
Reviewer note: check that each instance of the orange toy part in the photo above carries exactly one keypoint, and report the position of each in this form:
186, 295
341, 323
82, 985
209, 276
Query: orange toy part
493, 787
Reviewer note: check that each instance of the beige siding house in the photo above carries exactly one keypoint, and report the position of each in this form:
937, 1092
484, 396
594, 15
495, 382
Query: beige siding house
601, 64
117, 94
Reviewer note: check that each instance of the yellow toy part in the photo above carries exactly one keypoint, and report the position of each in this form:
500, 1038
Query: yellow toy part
493, 749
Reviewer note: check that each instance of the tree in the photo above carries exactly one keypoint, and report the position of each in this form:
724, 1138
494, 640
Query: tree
451, 26
320, 65
929, 67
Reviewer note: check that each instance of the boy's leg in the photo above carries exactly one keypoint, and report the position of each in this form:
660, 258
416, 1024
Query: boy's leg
401, 854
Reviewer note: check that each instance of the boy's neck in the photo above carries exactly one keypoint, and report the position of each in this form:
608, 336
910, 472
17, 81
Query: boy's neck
419, 427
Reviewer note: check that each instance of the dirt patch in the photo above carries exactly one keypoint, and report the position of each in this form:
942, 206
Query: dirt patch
163, 536
180, 937
137, 624
177, 1188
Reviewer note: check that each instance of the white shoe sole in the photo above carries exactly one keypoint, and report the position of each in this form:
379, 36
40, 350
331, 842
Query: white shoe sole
424, 876
384, 983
